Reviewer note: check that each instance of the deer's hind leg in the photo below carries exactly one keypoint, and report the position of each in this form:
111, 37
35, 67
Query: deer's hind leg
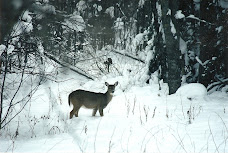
72, 113
94, 111
77, 110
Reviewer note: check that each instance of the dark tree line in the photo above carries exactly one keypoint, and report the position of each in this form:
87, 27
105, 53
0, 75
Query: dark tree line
204, 29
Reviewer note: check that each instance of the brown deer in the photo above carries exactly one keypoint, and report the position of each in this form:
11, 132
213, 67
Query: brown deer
91, 100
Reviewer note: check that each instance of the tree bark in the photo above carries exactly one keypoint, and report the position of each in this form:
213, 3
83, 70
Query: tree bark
226, 44
173, 54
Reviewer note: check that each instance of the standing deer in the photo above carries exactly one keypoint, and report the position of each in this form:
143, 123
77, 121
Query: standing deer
91, 100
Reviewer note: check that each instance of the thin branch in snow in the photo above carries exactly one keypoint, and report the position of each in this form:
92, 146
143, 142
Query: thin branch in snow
20, 109
180, 142
212, 136
110, 142
94, 144
55, 145
11, 101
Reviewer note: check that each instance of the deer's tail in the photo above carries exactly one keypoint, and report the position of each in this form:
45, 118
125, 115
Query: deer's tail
69, 100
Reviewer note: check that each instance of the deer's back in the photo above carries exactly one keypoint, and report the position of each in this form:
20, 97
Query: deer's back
87, 98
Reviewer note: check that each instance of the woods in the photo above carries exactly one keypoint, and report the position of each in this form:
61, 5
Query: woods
182, 41
118, 23
166, 60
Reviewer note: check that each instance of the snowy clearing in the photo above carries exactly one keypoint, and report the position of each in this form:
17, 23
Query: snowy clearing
138, 119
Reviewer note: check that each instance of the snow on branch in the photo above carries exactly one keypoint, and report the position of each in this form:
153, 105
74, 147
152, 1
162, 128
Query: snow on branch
24, 25
200, 62
110, 11
75, 22
196, 18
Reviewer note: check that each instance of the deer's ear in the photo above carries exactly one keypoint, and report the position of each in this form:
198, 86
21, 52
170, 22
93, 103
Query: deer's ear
116, 83
106, 84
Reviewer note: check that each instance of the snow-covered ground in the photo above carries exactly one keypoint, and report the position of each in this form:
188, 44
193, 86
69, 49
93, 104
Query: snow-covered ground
138, 119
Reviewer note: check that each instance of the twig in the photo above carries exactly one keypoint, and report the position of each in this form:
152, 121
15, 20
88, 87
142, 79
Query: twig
94, 145
180, 143
226, 131
11, 101
19, 110
54, 145
110, 142
152, 135
154, 112
133, 109
213, 137
182, 107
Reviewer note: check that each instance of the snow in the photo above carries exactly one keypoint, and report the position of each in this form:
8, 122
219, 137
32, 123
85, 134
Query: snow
183, 46
223, 3
140, 118
141, 3
158, 7
200, 62
99, 8
110, 11
119, 24
179, 15
2, 48
26, 17
139, 39
44, 8
168, 12
75, 22
192, 90
10, 49
23, 25
173, 29
40, 48
219, 29
81, 6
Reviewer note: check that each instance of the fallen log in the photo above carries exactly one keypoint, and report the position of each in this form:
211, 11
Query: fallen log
75, 69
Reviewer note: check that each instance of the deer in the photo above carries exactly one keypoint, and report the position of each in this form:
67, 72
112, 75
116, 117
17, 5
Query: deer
91, 100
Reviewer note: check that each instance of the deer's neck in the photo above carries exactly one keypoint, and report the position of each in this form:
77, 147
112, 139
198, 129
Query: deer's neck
109, 96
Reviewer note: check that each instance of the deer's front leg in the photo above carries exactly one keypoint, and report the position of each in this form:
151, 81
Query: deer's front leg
101, 111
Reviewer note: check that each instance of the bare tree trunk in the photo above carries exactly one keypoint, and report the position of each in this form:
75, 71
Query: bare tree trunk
1, 38
2, 91
226, 40
173, 72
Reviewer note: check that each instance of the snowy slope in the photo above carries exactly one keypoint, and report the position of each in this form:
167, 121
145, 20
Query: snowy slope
138, 119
